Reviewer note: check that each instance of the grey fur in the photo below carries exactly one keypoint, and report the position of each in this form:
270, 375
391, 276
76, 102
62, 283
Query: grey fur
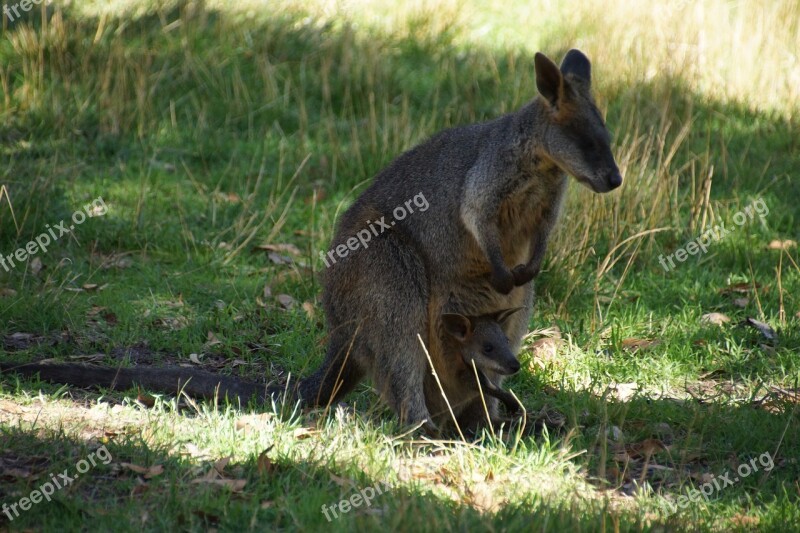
495, 191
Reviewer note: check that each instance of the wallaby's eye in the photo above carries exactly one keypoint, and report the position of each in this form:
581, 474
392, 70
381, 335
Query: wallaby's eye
487, 348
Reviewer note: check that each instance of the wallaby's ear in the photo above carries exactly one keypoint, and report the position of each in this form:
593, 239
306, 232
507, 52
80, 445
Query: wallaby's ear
576, 63
505, 314
458, 326
549, 80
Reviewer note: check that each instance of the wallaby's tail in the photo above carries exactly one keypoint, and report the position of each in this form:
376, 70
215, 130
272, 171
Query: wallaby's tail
169, 380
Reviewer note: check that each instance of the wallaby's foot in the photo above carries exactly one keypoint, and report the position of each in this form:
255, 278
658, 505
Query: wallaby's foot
502, 280
524, 273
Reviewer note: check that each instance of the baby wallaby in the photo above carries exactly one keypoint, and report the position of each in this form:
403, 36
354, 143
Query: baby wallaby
484, 348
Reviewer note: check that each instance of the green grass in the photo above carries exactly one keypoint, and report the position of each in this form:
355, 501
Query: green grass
209, 130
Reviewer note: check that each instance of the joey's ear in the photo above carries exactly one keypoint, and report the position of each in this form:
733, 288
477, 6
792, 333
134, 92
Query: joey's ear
576, 63
549, 80
505, 314
458, 326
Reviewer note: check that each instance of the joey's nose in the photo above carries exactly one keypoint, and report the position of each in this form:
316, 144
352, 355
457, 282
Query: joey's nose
613, 179
513, 366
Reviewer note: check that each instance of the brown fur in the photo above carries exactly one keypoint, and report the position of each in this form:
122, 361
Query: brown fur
495, 191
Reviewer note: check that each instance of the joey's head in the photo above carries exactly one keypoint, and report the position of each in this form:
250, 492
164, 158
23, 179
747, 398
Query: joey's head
575, 136
482, 340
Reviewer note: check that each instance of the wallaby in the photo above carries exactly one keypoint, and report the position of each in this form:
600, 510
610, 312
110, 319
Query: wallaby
494, 190
170, 379
475, 346
472, 340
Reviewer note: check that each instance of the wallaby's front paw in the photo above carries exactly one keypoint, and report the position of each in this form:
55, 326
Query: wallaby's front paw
523, 274
502, 281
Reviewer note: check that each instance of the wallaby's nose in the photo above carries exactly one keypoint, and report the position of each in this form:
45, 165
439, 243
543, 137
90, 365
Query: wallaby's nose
513, 366
614, 179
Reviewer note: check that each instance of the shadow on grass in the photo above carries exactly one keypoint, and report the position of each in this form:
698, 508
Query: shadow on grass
165, 489
119, 497
212, 110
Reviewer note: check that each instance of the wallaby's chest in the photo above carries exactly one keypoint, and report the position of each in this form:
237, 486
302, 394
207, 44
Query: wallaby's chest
531, 212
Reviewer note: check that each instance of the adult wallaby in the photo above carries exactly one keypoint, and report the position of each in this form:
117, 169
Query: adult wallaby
469, 340
494, 191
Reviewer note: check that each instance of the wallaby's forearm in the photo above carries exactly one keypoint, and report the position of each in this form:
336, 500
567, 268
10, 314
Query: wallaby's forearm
170, 379
479, 215
525, 273
490, 389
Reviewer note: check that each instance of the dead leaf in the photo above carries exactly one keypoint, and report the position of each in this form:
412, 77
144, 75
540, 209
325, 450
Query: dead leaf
235, 485
316, 196
230, 197
646, 448
741, 302
782, 245
253, 423
546, 349
279, 259
213, 340
171, 323
139, 490
102, 312
482, 497
303, 433
264, 464
342, 481
744, 521
742, 288
18, 473
624, 391
714, 318
147, 471
6, 292
220, 464
308, 307
116, 261
280, 248
89, 286
765, 329
286, 301
36, 266
639, 344
145, 399
194, 359
614, 433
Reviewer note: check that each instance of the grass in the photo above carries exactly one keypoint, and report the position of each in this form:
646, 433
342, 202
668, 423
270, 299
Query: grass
209, 130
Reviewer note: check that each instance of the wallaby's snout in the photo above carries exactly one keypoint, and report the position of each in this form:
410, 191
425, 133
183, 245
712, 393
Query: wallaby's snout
613, 179
577, 139
512, 366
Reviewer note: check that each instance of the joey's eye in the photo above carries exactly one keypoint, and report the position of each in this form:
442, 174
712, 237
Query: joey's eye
487, 348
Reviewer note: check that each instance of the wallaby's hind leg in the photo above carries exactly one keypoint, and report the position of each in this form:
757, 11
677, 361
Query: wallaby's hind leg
400, 381
338, 374
473, 416
384, 289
